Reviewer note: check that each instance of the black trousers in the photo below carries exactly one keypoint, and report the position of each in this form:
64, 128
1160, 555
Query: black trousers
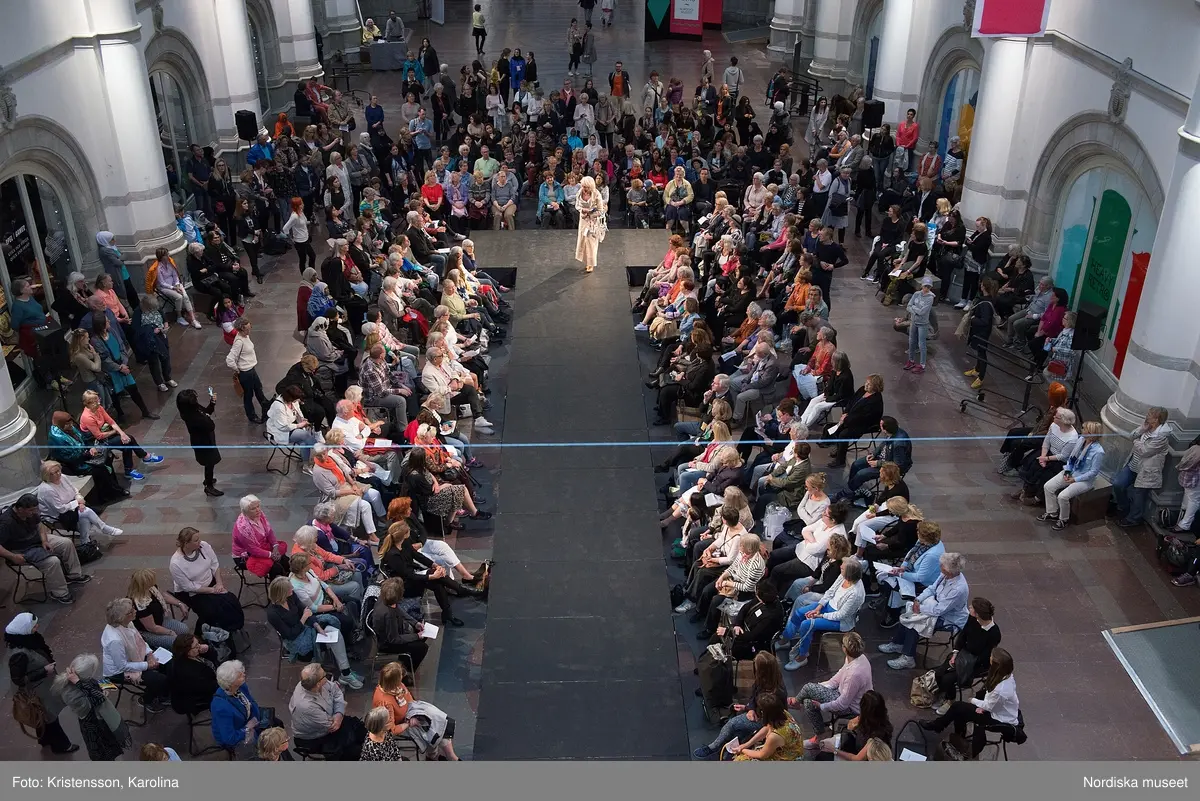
252, 388
155, 684
343, 745
222, 611
306, 253
209, 479
959, 715
134, 395
127, 451
416, 651
52, 734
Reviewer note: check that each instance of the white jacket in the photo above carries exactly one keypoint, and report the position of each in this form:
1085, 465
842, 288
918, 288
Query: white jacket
282, 419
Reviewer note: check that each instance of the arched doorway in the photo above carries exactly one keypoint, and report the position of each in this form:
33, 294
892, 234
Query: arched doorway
956, 115
260, 68
1101, 252
871, 54
37, 235
176, 130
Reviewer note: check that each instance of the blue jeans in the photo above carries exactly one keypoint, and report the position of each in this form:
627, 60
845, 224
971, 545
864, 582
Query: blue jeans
738, 726
1131, 500
916, 343
688, 479
909, 637
305, 438
687, 430
861, 473
799, 589
800, 626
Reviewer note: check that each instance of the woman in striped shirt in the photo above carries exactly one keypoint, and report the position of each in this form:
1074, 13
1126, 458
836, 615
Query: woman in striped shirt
1056, 448
737, 582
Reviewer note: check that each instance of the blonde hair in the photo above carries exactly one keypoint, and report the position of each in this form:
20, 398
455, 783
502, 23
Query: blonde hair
272, 741
141, 584
391, 677
736, 498
943, 205
335, 436
720, 431
878, 750
279, 590
47, 466
816, 480
90, 396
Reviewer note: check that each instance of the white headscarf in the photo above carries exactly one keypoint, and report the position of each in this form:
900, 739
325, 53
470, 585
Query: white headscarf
23, 623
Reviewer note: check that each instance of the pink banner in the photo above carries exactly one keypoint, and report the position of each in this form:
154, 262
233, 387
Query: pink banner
685, 18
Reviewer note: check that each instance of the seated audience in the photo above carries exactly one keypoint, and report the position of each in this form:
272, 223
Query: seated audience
151, 606
128, 660
298, 622
893, 445
31, 668
836, 611
422, 722
995, 705
60, 501
399, 558
237, 719
254, 541
744, 723
192, 673
1079, 471
779, 740
941, 607
196, 574
861, 416
24, 540
319, 720
866, 736
839, 695
972, 650
395, 631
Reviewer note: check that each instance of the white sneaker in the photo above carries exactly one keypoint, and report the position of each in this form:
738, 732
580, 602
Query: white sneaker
112, 531
163, 388
182, 322
891, 648
902, 663
196, 324
962, 304
686, 606
944, 708
172, 383
482, 422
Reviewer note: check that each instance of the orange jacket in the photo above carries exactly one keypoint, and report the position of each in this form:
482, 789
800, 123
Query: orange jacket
323, 563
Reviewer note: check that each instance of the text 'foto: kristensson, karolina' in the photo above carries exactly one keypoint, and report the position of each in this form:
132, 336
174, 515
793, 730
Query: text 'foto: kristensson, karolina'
78, 783
1130, 782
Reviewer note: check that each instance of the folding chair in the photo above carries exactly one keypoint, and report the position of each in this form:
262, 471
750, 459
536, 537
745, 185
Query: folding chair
36, 577
378, 657
135, 693
248, 579
925, 643
1006, 733
287, 450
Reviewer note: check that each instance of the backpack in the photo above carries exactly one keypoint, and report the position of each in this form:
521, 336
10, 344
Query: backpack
151, 277
29, 712
678, 595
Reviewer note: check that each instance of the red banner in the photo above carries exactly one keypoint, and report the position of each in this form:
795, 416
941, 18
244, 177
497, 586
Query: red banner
685, 18
996, 18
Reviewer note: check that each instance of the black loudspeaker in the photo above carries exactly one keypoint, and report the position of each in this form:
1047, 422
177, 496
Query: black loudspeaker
1089, 327
247, 125
52, 355
872, 114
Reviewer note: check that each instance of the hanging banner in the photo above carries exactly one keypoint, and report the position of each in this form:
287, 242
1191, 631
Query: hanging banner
1010, 18
685, 18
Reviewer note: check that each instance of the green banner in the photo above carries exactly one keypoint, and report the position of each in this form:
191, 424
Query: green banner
1108, 249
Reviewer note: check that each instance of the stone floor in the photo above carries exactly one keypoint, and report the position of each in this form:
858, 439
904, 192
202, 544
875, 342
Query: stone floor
1055, 592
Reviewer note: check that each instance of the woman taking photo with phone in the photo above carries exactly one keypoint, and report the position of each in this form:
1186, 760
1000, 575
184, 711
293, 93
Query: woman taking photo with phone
203, 434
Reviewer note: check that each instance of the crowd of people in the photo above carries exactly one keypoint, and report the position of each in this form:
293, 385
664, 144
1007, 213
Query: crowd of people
397, 322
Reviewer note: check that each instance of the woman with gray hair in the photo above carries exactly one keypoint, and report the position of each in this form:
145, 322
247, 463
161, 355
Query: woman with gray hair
204, 274
127, 657
381, 745
236, 716
341, 541
105, 734
941, 607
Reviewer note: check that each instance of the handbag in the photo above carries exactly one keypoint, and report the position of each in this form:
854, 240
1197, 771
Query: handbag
923, 692
1057, 368
237, 386
839, 205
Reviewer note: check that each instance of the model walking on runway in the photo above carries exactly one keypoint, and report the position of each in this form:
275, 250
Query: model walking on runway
593, 223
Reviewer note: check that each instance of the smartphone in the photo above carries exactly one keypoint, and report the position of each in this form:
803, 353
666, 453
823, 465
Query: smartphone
210, 392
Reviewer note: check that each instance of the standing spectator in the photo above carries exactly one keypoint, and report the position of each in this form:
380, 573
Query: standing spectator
733, 77
588, 6
105, 734
296, 230
478, 28
243, 360
150, 341
1143, 470
203, 434
32, 670
907, 134
421, 131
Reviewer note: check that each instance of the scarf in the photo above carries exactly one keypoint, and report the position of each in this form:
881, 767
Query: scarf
135, 646
329, 464
916, 553
105, 240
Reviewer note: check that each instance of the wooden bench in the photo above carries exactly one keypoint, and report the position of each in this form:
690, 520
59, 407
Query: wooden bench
1091, 506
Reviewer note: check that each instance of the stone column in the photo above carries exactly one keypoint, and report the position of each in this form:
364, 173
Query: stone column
146, 221
19, 458
298, 45
893, 57
828, 19
343, 29
237, 54
786, 26
1162, 364
1000, 91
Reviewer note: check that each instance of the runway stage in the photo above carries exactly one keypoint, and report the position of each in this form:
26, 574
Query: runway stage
579, 658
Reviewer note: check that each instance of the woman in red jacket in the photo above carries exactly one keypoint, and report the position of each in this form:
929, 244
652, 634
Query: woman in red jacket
303, 293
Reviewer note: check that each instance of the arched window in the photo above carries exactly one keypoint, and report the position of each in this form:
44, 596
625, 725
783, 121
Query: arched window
176, 129
1101, 252
260, 67
37, 242
958, 108
871, 55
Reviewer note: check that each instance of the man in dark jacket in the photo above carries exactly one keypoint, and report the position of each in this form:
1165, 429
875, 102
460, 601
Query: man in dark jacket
316, 382
422, 245
894, 445
771, 436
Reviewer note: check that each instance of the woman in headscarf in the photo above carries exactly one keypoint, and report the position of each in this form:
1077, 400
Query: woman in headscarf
31, 668
114, 265
319, 302
283, 126
319, 344
308, 279
334, 269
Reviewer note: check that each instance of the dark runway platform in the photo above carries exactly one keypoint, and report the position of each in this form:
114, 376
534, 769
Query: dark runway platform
580, 658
